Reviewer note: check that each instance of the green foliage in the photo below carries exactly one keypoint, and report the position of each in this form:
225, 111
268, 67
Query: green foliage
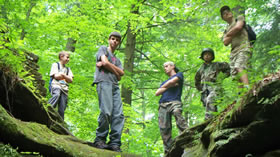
165, 30
8, 151
12, 60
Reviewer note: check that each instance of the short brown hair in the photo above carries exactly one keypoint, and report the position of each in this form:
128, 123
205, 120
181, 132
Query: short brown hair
224, 8
63, 53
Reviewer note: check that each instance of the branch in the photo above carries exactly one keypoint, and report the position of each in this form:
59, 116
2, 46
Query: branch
159, 52
145, 71
147, 58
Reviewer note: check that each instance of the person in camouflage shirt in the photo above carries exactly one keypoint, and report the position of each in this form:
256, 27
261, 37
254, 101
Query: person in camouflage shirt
170, 104
205, 80
237, 36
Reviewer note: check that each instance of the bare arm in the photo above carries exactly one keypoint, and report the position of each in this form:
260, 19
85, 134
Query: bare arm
111, 67
170, 83
67, 78
232, 32
99, 64
160, 91
227, 40
62, 76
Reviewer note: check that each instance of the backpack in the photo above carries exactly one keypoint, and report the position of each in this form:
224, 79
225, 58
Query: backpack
51, 78
251, 33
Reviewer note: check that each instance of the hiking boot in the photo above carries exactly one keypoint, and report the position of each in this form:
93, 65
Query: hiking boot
100, 145
115, 148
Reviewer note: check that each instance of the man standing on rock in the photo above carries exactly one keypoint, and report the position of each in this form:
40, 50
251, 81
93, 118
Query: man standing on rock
236, 35
206, 80
107, 74
170, 104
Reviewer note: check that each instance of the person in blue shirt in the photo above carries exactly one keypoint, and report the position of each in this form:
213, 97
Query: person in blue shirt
170, 104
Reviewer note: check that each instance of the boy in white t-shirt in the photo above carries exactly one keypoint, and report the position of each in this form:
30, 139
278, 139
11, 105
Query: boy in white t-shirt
61, 75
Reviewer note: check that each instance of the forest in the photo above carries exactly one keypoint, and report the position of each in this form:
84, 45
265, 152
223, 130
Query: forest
153, 32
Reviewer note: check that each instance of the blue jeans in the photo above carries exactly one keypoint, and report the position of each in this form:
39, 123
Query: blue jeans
58, 98
111, 113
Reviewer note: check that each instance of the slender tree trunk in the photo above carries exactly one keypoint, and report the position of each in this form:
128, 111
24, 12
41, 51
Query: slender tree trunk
143, 108
128, 63
128, 68
70, 46
129, 57
32, 4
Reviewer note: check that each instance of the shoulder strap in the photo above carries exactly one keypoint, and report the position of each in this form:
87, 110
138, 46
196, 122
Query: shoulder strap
58, 65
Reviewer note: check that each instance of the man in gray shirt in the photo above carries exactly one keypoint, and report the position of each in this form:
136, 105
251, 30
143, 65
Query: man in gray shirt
107, 74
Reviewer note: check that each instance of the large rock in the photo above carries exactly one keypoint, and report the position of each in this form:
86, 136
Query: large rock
249, 127
25, 103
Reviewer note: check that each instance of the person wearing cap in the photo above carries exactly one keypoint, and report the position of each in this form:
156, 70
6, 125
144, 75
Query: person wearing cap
236, 35
170, 104
206, 80
108, 72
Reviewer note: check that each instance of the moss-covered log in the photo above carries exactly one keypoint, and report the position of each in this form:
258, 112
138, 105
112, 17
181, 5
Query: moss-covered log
21, 102
34, 137
28, 123
249, 127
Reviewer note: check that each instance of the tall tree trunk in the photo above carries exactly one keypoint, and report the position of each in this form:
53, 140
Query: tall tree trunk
128, 68
128, 63
70, 46
129, 58
32, 4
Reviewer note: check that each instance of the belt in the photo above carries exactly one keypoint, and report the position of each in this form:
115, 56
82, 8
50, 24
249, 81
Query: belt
164, 104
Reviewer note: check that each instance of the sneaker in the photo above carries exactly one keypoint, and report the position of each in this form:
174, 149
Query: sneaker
100, 145
115, 148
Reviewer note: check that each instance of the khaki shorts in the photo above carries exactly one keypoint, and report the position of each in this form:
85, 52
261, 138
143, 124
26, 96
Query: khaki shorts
239, 61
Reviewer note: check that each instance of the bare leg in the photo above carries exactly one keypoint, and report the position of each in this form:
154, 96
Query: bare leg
243, 78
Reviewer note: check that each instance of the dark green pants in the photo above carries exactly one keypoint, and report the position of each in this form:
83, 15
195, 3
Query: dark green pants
166, 110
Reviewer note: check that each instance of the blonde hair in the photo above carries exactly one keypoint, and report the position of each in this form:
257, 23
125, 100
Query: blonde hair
63, 53
169, 63
172, 64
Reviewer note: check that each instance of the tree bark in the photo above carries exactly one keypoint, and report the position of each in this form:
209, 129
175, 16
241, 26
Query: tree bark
128, 63
70, 46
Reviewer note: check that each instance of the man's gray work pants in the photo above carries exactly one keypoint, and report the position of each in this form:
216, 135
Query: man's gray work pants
111, 113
